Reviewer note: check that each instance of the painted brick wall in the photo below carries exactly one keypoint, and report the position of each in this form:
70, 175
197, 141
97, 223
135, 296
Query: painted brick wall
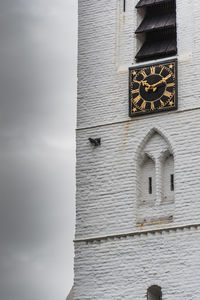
106, 176
123, 269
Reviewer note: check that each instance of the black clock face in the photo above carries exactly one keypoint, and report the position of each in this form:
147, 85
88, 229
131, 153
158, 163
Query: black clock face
153, 88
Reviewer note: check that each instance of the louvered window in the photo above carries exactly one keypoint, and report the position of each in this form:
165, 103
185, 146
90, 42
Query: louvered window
159, 27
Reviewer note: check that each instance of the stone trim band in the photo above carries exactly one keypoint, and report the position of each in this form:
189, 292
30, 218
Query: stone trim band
135, 120
136, 233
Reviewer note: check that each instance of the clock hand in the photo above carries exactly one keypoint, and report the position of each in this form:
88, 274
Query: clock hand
157, 83
145, 83
154, 86
151, 86
161, 81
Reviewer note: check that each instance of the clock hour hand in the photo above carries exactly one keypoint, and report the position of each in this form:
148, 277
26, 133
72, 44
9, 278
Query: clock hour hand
146, 84
150, 86
157, 83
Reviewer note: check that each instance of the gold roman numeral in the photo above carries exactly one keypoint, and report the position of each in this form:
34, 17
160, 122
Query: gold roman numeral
152, 106
170, 84
137, 99
135, 91
167, 94
137, 81
144, 73
162, 103
161, 70
153, 70
143, 105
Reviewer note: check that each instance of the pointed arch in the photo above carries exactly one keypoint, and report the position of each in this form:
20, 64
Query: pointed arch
148, 136
155, 176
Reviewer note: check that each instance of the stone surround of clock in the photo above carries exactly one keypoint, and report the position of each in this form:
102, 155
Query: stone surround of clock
158, 28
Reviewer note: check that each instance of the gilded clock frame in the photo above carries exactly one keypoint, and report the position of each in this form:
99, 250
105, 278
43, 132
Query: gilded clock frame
166, 108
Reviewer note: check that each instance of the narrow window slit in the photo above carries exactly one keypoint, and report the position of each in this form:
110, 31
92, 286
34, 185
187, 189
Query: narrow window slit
124, 5
150, 185
172, 182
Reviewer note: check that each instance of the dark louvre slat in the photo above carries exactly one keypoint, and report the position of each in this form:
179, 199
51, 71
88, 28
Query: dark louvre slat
146, 23
172, 20
143, 3
160, 1
161, 21
156, 49
172, 47
157, 22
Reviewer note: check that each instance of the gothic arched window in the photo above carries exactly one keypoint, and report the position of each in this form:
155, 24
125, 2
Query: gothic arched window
155, 179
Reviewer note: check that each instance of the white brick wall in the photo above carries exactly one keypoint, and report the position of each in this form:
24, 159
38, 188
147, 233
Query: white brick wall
123, 269
106, 176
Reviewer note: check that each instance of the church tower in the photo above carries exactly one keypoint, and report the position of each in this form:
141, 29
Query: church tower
138, 151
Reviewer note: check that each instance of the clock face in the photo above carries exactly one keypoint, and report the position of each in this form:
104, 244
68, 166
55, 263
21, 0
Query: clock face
153, 88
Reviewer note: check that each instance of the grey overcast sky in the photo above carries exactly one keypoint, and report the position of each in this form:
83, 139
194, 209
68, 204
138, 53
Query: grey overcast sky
37, 148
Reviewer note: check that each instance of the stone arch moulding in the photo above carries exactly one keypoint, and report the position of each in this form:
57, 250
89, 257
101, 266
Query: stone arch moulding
148, 135
155, 179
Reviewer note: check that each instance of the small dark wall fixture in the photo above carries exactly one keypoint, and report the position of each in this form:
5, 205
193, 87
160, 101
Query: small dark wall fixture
154, 293
95, 142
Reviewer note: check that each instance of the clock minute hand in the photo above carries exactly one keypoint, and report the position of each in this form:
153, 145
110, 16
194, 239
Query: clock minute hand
162, 80
157, 83
154, 86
